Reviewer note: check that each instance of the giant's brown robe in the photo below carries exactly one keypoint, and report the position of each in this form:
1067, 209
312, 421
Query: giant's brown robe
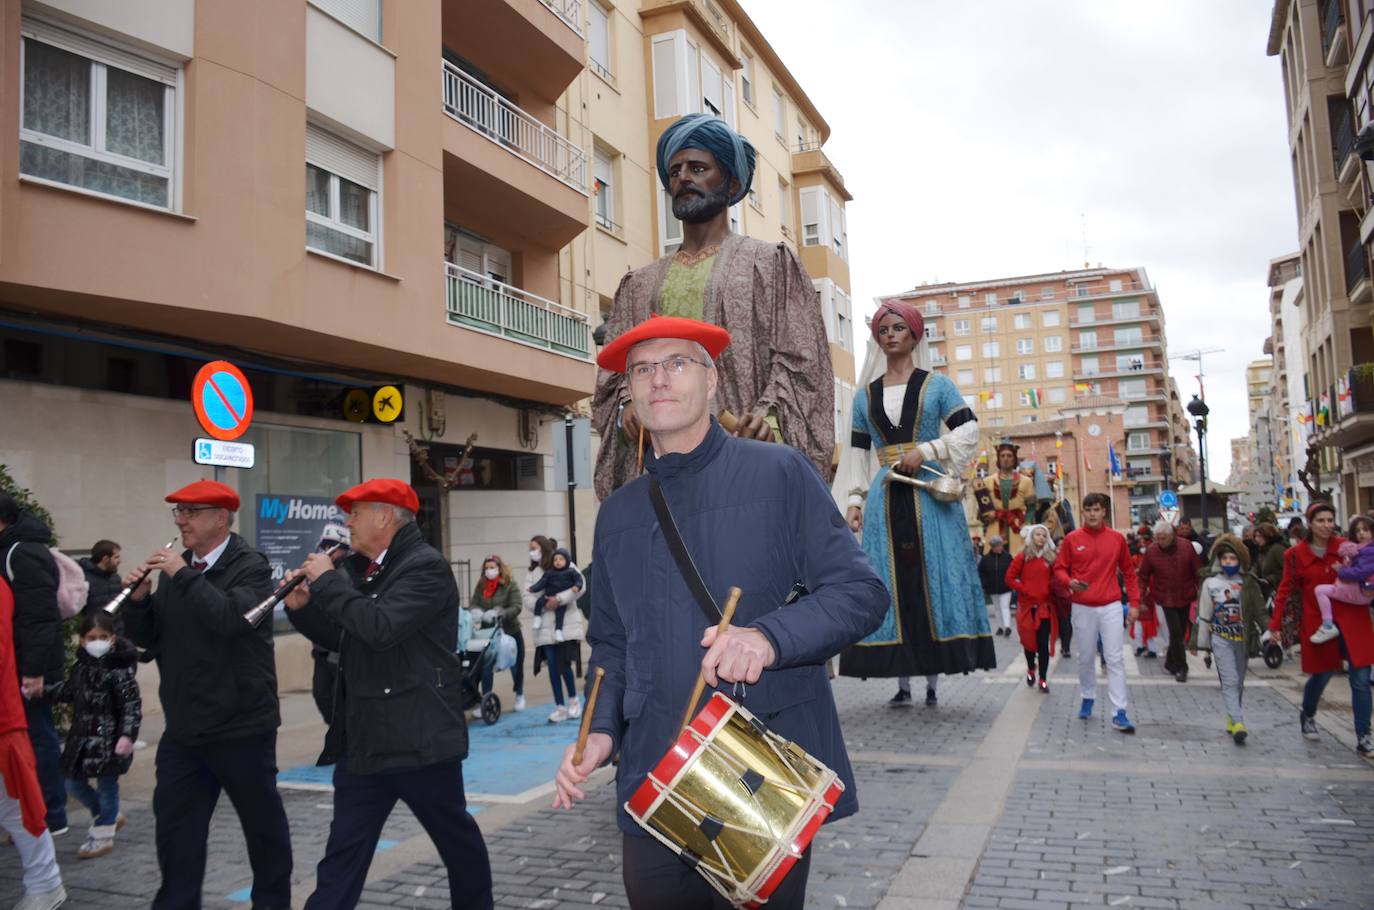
778, 355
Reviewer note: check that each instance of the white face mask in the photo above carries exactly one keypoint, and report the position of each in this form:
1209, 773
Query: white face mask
536, 555
99, 647
492, 573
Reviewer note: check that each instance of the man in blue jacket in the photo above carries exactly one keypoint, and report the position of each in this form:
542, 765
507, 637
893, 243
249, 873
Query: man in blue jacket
752, 515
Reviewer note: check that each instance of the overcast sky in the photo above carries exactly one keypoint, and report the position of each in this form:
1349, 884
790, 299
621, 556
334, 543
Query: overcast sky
977, 138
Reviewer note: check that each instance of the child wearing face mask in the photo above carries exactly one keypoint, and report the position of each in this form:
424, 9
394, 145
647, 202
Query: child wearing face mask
106, 713
1222, 624
1353, 586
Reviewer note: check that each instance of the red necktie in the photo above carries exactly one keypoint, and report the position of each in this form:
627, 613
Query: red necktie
372, 569
199, 565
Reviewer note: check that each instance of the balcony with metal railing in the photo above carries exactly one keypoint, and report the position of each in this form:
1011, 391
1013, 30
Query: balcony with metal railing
474, 301
1076, 320
1342, 135
570, 11
1108, 289
1141, 368
504, 123
1111, 346
1356, 267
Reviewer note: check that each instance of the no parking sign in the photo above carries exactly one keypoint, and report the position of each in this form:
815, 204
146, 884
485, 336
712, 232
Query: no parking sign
222, 399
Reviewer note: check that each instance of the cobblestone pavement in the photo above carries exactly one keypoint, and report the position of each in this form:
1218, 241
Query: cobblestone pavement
1176, 816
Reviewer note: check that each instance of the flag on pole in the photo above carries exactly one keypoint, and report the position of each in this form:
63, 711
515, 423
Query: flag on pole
1081, 387
1114, 462
1033, 397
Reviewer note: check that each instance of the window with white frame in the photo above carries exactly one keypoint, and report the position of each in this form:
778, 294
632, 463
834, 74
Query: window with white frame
342, 183
97, 117
603, 176
1054, 343
1088, 366
1047, 294
988, 324
990, 298
961, 327
1086, 314
1025, 346
992, 349
844, 317
1136, 415
363, 16
1025, 371
965, 301
688, 81
754, 200
936, 355
1115, 285
803, 132
785, 205
1087, 340
964, 377
746, 76
712, 93
599, 39
932, 308
1137, 441
813, 212
992, 374
1126, 309
844, 394
1028, 418
1082, 290
1130, 388
779, 113
1021, 321
995, 401
669, 228
479, 259
1049, 319
1131, 362
839, 239
963, 352
1131, 335
1057, 395
995, 421
1054, 369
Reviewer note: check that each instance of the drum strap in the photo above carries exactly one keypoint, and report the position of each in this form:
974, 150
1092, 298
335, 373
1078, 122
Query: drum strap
700, 593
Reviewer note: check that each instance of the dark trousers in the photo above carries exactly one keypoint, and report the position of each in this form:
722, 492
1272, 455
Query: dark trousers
1176, 618
362, 803
560, 675
517, 672
47, 752
1042, 650
656, 878
189, 781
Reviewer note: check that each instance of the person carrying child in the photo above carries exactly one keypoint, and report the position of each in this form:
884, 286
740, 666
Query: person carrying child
1353, 578
1227, 608
561, 577
106, 713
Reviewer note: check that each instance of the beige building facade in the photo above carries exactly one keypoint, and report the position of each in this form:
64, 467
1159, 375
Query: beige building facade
1023, 350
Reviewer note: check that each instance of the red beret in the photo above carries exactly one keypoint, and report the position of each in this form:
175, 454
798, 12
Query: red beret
712, 337
206, 493
381, 489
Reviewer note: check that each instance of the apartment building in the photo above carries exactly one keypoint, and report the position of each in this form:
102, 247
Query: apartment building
317, 193
1327, 64
650, 62
1285, 347
1027, 349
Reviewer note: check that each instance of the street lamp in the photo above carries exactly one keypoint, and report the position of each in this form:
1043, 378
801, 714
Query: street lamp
1198, 408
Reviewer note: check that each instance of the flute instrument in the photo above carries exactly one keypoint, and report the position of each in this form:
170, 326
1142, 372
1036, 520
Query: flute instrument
265, 608
119, 599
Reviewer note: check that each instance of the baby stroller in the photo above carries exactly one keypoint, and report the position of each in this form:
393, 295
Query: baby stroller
480, 644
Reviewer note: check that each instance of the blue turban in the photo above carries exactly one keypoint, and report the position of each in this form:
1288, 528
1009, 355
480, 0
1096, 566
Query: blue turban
709, 133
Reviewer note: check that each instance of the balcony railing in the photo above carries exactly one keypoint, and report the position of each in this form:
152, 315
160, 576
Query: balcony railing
475, 301
1086, 291
1116, 346
1342, 136
479, 107
809, 145
1356, 266
1114, 319
1332, 20
570, 11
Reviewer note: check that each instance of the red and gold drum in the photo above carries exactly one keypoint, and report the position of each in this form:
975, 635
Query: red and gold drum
737, 801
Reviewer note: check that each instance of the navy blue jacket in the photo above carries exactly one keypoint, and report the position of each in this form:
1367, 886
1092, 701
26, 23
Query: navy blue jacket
753, 515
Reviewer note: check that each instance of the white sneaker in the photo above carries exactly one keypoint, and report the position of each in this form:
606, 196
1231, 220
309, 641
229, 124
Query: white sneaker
557, 634
475, 714
1325, 632
43, 900
519, 702
538, 623
559, 715
575, 709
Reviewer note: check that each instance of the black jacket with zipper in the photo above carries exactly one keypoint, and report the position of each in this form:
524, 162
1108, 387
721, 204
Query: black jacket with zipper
219, 678
398, 701
105, 706
38, 646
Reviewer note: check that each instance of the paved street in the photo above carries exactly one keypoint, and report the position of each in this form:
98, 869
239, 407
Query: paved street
998, 798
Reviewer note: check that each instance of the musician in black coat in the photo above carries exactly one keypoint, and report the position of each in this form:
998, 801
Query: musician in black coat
397, 730
219, 696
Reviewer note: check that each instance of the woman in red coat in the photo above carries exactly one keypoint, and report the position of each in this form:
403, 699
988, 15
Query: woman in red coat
1306, 564
1037, 621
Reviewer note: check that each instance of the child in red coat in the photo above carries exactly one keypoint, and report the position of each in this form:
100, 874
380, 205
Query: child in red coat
1037, 620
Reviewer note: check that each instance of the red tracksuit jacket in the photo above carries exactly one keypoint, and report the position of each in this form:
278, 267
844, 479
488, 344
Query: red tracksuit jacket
1096, 556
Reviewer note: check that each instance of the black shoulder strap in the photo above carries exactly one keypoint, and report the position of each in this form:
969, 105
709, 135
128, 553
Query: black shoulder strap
681, 556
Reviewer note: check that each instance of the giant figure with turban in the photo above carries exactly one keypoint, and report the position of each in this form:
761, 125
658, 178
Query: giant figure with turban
906, 419
776, 377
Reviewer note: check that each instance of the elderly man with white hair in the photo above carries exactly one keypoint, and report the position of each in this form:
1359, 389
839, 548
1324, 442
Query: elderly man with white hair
1169, 578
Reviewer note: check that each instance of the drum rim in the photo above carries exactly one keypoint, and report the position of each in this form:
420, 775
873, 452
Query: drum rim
643, 801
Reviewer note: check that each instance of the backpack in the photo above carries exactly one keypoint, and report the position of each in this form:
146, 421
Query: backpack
72, 586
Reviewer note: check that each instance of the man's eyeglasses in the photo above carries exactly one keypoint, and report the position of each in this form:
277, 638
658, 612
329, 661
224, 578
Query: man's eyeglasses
188, 511
673, 366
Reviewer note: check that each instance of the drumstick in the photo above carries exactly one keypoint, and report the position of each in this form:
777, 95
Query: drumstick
727, 420
730, 603
639, 452
587, 716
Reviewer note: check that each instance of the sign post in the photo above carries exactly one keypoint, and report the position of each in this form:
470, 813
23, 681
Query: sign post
223, 402
572, 460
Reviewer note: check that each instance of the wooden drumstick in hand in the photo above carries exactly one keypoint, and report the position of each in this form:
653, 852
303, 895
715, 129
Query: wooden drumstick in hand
730, 603
587, 712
